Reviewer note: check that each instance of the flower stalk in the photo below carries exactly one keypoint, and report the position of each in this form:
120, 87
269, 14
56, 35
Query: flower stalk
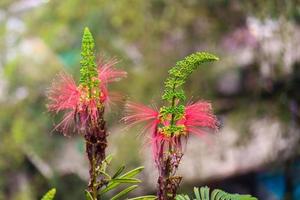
171, 126
94, 132
84, 107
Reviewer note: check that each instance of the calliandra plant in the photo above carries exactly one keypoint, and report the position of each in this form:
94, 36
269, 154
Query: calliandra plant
172, 124
83, 107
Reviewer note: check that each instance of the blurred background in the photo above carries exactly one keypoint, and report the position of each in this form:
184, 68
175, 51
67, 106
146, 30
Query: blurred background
254, 90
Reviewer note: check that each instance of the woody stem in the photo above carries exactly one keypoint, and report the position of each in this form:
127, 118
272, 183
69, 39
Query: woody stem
96, 143
94, 178
92, 187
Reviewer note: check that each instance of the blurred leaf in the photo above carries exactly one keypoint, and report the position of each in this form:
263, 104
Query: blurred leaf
49, 195
88, 195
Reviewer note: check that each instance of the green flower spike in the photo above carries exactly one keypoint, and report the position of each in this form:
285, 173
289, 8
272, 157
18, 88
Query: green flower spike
88, 71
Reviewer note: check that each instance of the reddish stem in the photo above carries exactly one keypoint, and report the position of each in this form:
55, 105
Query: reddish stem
96, 143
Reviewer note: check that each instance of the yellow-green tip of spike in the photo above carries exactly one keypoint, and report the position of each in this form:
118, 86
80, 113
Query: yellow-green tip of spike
86, 31
87, 38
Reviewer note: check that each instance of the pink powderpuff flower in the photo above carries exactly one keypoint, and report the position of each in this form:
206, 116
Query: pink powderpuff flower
107, 74
196, 117
63, 94
76, 103
158, 145
138, 113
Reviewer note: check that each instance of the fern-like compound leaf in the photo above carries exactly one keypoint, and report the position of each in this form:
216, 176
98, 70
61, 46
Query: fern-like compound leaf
217, 194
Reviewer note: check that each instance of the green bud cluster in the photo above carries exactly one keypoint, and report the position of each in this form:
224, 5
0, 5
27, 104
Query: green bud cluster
173, 130
166, 111
88, 70
174, 93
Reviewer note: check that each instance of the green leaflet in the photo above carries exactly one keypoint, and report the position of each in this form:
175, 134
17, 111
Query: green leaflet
112, 182
105, 163
147, 197
111, 185
182, 197
124, 192
119, 171
104, 173
125, 180
217, 194
49, 195
203, 193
